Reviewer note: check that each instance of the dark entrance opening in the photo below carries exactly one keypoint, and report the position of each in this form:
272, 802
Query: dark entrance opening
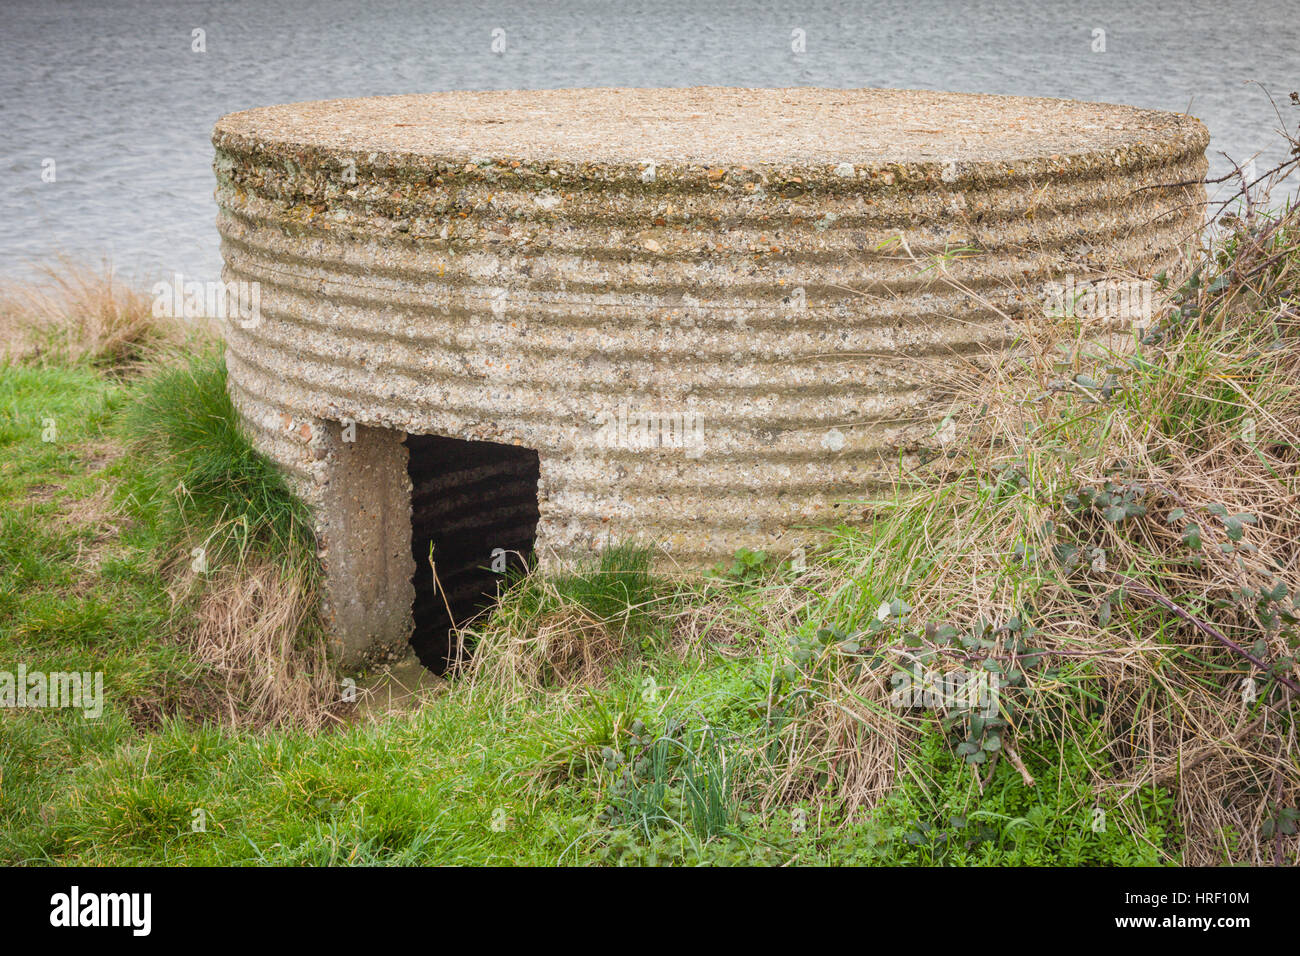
475, 504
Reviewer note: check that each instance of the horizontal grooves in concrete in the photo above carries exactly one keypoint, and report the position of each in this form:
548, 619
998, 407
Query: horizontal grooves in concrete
817, 375
847, 206
995, 229
784, 436
639, 271
532, 301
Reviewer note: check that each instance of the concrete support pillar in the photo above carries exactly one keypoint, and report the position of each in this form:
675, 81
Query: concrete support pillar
363, 513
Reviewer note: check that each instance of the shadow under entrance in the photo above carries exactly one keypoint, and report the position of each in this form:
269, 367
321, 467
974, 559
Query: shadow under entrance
473, 515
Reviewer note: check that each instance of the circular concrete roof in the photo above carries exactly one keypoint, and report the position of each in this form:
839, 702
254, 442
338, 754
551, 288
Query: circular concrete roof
709, 125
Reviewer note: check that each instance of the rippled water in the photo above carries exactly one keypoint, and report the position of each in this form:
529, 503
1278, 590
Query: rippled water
112, 92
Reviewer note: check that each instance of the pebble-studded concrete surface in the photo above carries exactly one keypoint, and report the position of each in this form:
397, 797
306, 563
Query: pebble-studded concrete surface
710, 125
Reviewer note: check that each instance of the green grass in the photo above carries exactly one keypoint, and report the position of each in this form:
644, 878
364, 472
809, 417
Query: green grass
617, 589
459, 783
658, 766
939, 817
462, 780
73, 595
184, 430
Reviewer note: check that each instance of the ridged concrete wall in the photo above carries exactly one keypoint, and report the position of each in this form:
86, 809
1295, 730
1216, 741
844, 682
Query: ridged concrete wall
518, 267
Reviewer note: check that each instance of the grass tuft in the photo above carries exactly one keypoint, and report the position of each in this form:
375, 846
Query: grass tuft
186, 434
560, 631
241, 548
74, 314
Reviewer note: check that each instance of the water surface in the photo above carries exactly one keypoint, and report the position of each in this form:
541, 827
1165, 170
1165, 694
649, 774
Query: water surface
113, 93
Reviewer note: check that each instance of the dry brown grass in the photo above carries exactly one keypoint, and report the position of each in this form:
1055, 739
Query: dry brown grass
559, 632
248, 630
1138, 628
560, 648
72, 313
